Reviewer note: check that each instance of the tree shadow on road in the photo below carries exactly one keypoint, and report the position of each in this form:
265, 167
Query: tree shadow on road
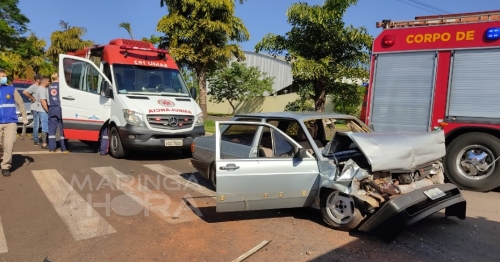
19, 161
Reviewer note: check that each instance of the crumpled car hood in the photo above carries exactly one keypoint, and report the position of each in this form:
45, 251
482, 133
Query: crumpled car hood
399, 151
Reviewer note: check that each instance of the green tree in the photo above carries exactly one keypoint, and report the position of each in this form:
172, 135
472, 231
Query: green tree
32, 51
127, 27
69, 39
348, 99
321, 49
13, 24
237, 82
155, 40
201, 34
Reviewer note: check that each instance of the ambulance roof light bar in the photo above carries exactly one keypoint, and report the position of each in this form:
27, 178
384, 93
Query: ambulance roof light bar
442, 19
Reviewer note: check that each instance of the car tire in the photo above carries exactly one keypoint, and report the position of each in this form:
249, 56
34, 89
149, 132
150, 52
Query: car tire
116, 149
459, 149
212, 176
339, 210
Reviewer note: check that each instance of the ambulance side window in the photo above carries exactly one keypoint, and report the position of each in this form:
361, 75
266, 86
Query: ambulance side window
83, 76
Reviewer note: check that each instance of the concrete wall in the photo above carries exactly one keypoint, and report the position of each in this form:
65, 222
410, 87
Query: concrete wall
257, 104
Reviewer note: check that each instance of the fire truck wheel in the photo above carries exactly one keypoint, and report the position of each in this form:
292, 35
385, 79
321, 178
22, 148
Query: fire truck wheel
116, 149
470, 162
339, 210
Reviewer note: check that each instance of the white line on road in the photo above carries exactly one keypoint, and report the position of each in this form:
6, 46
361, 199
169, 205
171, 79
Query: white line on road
3, 241
157, 202
176, 176
81, 219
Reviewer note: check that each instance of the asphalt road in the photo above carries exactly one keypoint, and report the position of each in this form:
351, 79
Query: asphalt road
86, 207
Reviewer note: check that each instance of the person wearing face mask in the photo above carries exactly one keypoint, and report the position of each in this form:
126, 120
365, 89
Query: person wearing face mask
9, 97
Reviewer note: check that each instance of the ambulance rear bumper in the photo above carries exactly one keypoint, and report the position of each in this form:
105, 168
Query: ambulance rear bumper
142, 138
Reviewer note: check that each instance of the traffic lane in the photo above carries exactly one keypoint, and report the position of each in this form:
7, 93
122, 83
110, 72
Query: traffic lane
296, 234
435, 238
45, 232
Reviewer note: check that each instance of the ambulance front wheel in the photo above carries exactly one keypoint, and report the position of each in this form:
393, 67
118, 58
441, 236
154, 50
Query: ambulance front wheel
115, 144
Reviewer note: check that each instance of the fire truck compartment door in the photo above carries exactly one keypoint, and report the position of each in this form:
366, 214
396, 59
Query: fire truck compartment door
402, 92
475, 84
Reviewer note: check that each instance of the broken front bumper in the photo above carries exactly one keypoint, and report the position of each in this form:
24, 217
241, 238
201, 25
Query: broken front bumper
405, 210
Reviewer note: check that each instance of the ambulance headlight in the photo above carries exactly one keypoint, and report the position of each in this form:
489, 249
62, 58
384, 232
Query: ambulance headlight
200, 121
133, 118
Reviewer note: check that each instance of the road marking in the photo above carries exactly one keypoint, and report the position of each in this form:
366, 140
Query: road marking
157, 202
176, 176
81, 219
3, 241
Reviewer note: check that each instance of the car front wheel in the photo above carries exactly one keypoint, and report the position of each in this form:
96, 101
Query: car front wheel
471, 162
339, 210
115, 145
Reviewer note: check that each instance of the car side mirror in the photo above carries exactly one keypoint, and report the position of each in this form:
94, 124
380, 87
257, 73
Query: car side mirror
193, 92
302, 153
106, 89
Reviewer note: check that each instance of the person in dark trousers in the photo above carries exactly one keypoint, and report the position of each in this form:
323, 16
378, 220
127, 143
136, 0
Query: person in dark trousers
55, 115
9, 97
35, 107
103, 150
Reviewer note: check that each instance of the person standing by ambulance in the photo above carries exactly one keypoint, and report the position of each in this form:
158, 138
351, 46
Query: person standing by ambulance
55, 115
9, 97
34, 107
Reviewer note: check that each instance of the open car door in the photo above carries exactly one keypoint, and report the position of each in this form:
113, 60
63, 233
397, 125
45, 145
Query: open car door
278, 173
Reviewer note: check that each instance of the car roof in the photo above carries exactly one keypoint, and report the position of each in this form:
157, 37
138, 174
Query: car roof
297, 115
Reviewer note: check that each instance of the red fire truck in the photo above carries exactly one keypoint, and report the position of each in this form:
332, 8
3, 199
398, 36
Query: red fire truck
442, 72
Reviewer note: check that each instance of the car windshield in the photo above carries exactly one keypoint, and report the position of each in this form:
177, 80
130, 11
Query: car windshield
133, 79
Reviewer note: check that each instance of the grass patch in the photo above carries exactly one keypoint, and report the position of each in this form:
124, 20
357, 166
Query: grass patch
210, 126
220, 115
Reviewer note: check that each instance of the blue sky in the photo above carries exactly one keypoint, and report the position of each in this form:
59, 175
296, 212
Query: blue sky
101, 17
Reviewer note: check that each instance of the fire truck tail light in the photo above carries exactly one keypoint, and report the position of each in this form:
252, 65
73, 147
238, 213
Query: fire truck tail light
493, 33
389, 40
129, 47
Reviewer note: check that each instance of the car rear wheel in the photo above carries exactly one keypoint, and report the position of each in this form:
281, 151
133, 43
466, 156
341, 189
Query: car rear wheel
339, 210
470, 162
212, 176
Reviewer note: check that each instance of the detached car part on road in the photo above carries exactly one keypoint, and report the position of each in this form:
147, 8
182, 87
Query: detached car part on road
375, 182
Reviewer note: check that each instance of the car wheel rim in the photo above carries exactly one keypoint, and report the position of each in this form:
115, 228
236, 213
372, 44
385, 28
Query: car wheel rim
114, 142
340, 208
475, 162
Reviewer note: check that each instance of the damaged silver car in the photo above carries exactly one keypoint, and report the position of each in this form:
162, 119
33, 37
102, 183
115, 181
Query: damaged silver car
374, 182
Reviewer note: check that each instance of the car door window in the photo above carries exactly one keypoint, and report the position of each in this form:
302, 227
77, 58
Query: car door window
240, 134
83, 76
282, 148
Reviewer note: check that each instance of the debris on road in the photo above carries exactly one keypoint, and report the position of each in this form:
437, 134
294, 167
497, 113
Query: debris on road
252, 251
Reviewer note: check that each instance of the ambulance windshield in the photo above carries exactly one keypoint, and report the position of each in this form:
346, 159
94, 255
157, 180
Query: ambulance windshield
133, 79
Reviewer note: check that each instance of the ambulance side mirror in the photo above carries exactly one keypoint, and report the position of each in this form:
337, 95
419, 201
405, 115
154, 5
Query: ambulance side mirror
193, 93
106, 89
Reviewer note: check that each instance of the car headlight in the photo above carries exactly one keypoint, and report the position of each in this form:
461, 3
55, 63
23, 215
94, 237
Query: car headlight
133, 118
200, 121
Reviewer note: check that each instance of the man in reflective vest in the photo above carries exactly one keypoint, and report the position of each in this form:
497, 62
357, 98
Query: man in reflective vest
55, 115
9, 97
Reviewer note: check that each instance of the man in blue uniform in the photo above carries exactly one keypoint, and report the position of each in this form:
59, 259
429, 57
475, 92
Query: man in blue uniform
103, 150
9, 97
55, 115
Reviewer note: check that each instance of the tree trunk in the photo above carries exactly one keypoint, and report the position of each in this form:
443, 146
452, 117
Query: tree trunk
202, 83
319, 97
232, 106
